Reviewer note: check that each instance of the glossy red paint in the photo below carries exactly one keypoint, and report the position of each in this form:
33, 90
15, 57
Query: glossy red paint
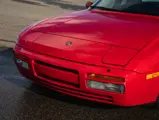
125, 43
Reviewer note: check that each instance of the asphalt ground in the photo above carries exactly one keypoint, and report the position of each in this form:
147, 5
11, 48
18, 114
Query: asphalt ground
20, 99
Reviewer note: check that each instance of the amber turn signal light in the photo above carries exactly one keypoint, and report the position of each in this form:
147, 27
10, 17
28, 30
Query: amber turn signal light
105, 77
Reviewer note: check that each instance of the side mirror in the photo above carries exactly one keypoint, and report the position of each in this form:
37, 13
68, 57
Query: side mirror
88, 4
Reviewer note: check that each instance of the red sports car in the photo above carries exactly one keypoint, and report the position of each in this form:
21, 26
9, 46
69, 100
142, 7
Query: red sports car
106, 53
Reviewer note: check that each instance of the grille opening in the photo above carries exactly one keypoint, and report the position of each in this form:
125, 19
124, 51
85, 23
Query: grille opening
57, 67
66, 89
58, 80
85, 95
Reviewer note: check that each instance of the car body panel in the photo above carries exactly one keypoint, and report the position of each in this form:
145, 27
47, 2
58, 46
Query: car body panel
118, 24
79, 51
106, 43
135, 93
83, 51
146, 61
122, 58
100, 27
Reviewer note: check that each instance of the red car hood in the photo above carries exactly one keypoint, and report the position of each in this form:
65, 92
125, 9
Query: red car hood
112, 38
115, 29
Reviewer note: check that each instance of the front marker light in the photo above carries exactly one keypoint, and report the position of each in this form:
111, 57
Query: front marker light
106, 86
105, 77
25, 65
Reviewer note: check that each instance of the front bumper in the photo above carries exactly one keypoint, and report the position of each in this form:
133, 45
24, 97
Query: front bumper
41, 73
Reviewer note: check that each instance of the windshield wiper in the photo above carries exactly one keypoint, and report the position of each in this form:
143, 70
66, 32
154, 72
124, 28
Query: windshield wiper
150, 8
103, 8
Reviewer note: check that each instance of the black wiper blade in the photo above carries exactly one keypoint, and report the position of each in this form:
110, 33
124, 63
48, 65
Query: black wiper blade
150, 8
103, 8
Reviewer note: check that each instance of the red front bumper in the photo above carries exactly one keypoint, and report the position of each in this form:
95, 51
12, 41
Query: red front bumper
74, 83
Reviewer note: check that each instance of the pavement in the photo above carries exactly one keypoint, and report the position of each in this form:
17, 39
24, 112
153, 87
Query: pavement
20, 99
15, 15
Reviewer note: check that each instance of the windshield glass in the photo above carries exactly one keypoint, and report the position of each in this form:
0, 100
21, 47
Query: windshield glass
150, 7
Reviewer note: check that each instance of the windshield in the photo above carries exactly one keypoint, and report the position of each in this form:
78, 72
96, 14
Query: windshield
150, 7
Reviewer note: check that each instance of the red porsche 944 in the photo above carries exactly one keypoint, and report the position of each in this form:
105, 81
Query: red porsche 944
107, 53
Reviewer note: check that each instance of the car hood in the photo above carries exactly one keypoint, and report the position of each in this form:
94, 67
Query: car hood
123, 30
97, 38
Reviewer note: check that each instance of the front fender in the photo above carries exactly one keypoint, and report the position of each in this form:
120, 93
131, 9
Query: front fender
147, 59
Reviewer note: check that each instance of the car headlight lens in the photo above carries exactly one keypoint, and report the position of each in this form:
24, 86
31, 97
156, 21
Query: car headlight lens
106, 86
